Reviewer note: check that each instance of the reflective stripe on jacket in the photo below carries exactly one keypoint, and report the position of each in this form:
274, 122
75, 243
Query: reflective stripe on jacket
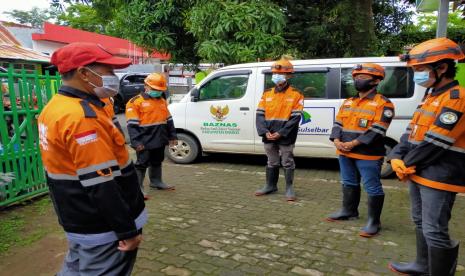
367, 120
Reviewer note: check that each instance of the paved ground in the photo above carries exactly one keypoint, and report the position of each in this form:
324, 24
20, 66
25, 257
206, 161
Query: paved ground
213, 225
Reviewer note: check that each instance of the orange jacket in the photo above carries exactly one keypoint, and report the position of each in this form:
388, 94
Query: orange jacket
435, 140
367, 120
92, 180
149, 122
280, 111
109, 108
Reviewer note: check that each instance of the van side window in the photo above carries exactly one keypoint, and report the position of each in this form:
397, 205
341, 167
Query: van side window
224, 88
135, 79
311, 84
398, 83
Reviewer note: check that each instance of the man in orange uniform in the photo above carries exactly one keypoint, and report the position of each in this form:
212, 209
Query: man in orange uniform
278, 117
151, 128
358, 133
92, 180
431, 155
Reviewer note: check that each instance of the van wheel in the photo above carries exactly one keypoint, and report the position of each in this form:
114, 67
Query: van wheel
185, 152
386, 169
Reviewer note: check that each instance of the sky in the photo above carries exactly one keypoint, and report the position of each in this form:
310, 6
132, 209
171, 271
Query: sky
8, 5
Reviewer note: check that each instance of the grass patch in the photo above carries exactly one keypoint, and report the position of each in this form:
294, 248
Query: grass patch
10, 229
15, 222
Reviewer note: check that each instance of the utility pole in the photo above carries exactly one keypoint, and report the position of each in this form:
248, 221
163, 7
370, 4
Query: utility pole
443, 13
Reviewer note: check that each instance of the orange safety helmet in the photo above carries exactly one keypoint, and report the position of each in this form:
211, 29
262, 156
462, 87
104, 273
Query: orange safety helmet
156, 81
369, 69
433, 50
282, 66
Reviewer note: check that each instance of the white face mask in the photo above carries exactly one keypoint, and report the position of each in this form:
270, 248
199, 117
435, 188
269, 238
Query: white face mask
278, 78
423, 79
109, 88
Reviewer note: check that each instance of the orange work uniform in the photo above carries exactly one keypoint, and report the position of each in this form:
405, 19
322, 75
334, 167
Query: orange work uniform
435, 140
149, 122
91, 178
367, 120
280, 111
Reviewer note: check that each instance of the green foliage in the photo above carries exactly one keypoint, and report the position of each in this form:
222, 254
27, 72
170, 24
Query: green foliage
158, 25
428, 21
391, 18
84, 17
408, 38
336, 28
237, 31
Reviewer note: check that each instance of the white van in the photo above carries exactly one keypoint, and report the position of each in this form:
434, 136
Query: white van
218, 114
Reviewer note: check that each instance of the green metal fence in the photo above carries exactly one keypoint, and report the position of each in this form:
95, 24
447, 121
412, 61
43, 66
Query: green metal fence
23, 97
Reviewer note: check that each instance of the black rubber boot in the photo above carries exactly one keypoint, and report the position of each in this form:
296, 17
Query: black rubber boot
375, 206
156, 182
289, 175
271, 185
350, 201
420, 265
443, 261
140, 177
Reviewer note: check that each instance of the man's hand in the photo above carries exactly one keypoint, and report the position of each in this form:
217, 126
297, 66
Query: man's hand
140, 147
268, 136
401, 170
173, 143
338, 144
130, 244
398, 165
348, 146
276, 136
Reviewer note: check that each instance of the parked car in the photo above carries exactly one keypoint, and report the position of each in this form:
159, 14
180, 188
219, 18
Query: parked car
218, 114
131, 84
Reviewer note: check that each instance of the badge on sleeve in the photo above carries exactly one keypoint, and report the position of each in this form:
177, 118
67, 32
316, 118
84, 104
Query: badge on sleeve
363, 123
388, 113
448, 118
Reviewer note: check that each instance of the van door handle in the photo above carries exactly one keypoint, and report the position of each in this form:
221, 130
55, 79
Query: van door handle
244, 108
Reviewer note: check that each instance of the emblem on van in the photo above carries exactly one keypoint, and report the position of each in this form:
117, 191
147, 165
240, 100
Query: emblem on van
219, 113
306, 118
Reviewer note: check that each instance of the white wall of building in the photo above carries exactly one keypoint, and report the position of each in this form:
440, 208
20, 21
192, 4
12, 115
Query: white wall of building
46, 47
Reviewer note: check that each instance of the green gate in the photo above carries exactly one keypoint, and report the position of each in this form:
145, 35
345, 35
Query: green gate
23, 96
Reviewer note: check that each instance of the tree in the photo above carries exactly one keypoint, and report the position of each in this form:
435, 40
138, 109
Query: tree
237, 31
82, 16
429, 21
391, 19
34, 17
156, 25
329, 28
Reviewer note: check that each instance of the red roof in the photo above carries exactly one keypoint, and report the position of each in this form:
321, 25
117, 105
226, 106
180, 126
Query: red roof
10, 48
116, 46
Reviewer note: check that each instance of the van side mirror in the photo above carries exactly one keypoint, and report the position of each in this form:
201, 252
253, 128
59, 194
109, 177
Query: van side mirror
125, 82
195, 94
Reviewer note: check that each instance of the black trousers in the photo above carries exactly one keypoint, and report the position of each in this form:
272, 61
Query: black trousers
150, 157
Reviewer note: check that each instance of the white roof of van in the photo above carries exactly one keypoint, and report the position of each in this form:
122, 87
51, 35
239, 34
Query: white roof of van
317, 62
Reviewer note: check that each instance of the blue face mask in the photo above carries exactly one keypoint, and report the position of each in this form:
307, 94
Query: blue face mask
154, 94
422, 78
278, 78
